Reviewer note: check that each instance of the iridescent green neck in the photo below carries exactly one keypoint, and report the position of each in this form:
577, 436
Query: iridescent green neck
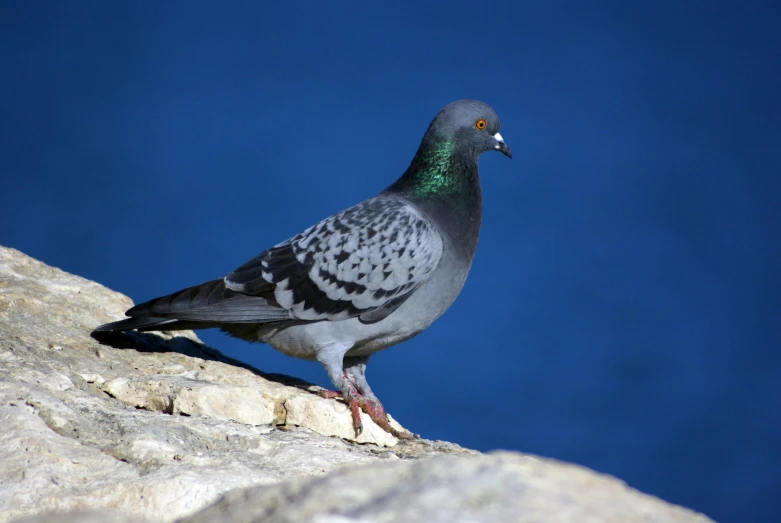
437, 172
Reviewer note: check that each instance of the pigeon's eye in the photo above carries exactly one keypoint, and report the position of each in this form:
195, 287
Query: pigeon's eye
481, 123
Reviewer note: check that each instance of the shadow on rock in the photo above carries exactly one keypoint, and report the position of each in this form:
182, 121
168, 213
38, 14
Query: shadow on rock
157, 343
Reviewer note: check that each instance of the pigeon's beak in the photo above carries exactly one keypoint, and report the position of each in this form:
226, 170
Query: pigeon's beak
501, 146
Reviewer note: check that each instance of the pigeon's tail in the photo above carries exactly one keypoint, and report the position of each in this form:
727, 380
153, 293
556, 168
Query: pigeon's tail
204, 306
143, 323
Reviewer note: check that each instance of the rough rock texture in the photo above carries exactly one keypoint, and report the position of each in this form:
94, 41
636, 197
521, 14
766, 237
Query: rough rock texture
501, 486
161, 427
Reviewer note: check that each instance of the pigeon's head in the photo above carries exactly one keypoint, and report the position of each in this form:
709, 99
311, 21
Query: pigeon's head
472, 124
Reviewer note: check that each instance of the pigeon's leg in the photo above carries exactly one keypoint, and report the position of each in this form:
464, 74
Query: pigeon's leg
349, 377
355, 369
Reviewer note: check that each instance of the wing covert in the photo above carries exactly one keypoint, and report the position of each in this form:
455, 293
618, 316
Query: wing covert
364, 261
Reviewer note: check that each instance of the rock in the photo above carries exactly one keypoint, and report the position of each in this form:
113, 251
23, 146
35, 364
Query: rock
502, 486
159, 427
85, 516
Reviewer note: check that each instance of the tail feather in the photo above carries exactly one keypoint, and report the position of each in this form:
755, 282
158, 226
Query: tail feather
140, 323
203, 306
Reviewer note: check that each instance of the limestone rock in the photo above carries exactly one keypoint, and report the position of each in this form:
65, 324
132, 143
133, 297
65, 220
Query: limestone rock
159, 427
501, 486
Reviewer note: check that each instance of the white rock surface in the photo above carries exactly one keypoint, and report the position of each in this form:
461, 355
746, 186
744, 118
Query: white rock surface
163, 428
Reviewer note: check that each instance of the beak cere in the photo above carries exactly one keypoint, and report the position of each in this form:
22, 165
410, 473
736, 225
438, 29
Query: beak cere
501, 146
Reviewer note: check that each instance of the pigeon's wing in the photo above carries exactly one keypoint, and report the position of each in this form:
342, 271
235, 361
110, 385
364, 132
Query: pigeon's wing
211, 302
365, 261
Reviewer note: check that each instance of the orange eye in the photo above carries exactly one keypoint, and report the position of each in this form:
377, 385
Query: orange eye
481, 123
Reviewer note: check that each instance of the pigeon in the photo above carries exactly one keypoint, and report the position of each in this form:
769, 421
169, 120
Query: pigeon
362, 280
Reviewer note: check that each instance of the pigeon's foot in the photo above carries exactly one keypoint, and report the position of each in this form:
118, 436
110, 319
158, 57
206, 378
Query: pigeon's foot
377, 413
357, 402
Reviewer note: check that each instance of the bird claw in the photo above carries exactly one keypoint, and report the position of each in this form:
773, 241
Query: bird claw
374, 409
329, 394
376, 412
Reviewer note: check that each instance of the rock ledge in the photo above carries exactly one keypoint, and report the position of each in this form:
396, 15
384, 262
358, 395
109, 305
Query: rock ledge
161, 427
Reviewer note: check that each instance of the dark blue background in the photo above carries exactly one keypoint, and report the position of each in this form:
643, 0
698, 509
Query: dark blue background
624, 308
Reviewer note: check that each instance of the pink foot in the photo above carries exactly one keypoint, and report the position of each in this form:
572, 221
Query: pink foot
374, 409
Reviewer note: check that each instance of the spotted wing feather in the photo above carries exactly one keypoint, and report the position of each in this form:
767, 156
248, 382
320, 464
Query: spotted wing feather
365, 261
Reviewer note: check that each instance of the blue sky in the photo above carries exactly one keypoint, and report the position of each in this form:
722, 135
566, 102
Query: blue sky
624, 308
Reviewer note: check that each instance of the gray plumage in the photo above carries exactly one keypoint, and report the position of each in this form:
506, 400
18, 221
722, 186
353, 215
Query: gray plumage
363, 279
